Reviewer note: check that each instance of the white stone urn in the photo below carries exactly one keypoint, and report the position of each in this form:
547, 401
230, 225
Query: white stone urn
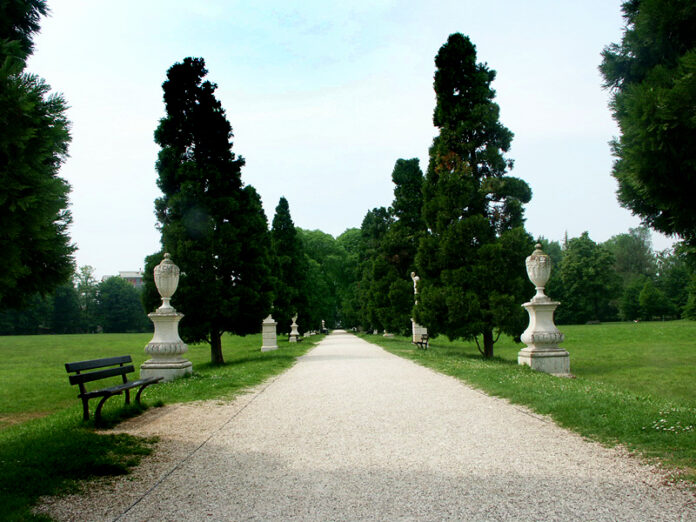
541, 336
269, 334
166, 347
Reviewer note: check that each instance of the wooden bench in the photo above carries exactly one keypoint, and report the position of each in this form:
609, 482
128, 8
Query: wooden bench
423, 343
103, 369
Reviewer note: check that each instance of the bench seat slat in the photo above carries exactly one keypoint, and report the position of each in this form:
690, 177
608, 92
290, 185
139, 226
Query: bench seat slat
100, 374
97, 363
115, 390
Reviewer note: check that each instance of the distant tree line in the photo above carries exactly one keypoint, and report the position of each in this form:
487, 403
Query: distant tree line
82, 305
620, 279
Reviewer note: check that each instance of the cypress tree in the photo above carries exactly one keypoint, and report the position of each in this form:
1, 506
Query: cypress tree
213, 226
34, 138
471, 259
289, 268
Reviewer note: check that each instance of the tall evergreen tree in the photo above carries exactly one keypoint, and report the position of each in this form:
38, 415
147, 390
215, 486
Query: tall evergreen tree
652, 77
392, 288
289, 270
471, 261
34, 137
213, 226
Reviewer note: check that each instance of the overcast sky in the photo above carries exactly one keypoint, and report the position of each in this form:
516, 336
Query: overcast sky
323, 101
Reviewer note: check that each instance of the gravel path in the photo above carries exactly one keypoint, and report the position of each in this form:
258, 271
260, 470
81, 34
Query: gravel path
353, 432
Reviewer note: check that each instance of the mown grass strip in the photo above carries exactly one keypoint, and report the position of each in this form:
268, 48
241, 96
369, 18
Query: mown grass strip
52, 452
657, 421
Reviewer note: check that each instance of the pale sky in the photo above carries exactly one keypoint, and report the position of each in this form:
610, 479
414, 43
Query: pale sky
323, 99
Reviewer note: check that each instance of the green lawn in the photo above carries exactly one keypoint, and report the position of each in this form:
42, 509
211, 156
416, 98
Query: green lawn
45, 447
633, 385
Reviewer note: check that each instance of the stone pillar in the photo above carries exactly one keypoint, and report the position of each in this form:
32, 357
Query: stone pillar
417, 331
166, 347
294, 334
268, 333
541, 336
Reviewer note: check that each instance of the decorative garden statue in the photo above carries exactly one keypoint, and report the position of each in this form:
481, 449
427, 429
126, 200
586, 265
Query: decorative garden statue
166, 347
541, 336
294, 333
417, 331
268, 334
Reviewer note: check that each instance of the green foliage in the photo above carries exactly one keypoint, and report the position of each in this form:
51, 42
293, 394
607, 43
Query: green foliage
289, 269
386, 254
330, 275
119, 307
633, 385
67, 316
471, 260
652, 77
213, 227
86, 286
653, 303
588, 282
34, 137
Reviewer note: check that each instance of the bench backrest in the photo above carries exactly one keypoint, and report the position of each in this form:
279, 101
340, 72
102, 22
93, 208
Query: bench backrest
81, 366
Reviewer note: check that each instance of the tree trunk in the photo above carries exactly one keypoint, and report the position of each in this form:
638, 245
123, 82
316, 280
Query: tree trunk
488, 343
216, 348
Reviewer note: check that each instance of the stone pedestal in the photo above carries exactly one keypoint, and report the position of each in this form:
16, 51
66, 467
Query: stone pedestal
166, 347
294, 333
268, 334
417, 332
541, 336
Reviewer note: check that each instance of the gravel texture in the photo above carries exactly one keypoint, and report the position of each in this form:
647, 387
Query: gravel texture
353, 432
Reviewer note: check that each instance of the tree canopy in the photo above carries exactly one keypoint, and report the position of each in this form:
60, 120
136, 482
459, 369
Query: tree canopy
34, 137
213, 226
652, 78
289, 269
471, 260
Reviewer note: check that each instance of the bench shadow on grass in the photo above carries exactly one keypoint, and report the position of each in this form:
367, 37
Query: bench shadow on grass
50, 455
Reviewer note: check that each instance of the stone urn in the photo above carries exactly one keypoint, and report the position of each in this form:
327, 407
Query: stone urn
166, 347
541, 336
294, 333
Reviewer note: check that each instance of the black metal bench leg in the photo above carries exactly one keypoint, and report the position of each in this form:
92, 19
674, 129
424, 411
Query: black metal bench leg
97, 414
140, 391
127, 396
85, 409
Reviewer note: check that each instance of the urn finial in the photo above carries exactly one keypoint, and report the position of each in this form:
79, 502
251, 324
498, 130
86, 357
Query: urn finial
539, 270
166, 276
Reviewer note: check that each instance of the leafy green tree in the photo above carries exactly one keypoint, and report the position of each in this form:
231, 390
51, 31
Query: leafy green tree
674, 273
289, 270
589, 282
86, 286
120, 309
371, 292
213, 226
34, 137
349, 304
653, 302
633, 254
629, 303
66, 317
328, 276
652, 77
33, 318
471, 261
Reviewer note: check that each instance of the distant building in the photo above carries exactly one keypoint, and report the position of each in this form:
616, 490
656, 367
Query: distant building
134, 278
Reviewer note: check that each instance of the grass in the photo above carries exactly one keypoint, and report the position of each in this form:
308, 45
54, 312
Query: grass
45, 447
634, 384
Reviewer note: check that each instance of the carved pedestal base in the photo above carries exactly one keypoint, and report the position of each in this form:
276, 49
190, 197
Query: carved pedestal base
555, 361
269, 335
166, 348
